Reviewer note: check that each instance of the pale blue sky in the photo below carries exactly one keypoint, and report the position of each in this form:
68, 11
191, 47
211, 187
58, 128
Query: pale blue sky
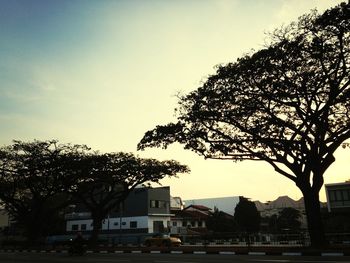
104, 72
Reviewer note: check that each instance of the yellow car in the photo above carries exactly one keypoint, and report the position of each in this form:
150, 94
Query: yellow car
162, 240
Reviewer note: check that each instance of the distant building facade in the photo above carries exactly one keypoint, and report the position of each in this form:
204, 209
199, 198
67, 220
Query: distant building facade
145, 210
274, 207
338, 197
190, 220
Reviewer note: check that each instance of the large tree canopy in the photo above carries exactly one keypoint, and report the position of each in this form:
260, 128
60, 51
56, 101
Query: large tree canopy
287, 104
33, 180
107, 179
39, 178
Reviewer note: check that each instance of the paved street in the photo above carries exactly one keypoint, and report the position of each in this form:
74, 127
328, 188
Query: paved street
160, 258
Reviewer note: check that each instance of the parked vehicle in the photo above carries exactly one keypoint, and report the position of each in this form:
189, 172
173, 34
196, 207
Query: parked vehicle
163, 240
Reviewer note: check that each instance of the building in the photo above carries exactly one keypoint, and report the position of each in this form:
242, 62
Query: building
274, 207
145, 210
190, 220
224, 204
338, 197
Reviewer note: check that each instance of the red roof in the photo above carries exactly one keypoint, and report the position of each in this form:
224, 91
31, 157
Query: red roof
185, 214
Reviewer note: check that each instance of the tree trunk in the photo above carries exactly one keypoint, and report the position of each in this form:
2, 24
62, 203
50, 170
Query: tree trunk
314, 219
97, 226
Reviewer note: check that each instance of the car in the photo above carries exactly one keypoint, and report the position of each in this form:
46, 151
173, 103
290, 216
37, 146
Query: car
164, 240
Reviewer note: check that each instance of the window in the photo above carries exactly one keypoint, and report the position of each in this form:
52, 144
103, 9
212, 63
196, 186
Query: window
75, 227
162, 204
332, 196
184, 223
174, 223
200, 223
339, 197
116, 223
83, 227
123, 223
158, 204
133, 224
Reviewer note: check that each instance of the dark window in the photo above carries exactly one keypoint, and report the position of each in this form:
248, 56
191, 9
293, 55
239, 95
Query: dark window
162, 204
116, 223
75, 227
83, 227
174, 223
184, 223
339, 197
193, 223
332, 196
346, 195
158, 204
133, 224
200, 223
124, 223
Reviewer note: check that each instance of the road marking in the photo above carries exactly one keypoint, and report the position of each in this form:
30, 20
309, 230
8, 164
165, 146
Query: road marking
257, 253
291, 254
275, 260
177, 252
155, 251
199, 252
227, 253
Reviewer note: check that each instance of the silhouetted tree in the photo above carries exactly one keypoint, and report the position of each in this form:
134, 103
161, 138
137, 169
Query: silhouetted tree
247, 216
287, 104
107, 179
33, 183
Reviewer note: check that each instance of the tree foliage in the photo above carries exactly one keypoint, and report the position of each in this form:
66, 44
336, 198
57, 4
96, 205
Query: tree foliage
220, 222
38, 179
33, 179
287, 104
247, 217
107, 179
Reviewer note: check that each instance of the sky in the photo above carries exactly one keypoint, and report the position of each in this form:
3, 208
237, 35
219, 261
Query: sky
103, 72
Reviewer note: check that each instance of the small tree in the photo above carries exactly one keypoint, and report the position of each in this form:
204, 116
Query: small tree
287, 104
247, 216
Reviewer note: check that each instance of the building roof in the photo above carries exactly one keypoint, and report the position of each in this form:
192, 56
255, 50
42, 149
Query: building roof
279, 203
225, 204
191, 214
198, 207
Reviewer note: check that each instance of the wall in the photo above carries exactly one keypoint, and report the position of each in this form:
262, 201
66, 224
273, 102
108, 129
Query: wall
114, 223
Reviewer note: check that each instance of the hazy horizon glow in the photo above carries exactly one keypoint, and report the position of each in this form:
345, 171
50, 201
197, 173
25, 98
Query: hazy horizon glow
103, 72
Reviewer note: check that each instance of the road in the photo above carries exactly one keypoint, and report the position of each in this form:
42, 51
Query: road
30, 257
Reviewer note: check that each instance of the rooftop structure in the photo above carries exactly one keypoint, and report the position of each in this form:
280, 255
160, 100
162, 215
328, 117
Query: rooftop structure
225, 204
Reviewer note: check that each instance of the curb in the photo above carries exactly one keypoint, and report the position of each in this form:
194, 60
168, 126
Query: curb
187, 251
